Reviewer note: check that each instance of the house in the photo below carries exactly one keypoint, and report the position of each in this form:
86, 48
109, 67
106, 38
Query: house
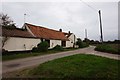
18, 40
72, 39
53, 37
31, 35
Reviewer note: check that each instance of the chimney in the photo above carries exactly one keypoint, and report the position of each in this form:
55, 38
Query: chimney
60, 30
68, 32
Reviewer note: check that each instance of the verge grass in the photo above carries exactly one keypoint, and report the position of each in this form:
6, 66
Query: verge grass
82, 66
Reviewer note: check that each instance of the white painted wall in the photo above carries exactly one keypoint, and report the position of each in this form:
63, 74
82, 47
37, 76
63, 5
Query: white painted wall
53, 43
20, 44
71, 42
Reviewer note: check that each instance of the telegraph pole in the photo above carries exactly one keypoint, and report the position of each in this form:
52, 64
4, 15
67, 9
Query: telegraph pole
86, 33
101, 33
100, 26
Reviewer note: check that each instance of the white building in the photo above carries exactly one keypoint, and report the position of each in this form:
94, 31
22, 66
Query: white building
18, 40
31, 35
53, 37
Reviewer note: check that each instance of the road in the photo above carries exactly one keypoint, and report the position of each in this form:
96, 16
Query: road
12, 65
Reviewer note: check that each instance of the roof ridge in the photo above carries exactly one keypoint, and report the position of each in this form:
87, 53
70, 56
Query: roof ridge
46, 33
43, 27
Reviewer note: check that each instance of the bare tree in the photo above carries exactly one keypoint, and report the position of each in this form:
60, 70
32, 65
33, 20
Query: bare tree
6, 21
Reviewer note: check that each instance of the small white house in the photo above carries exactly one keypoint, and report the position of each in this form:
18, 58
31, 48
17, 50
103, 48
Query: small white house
72, 40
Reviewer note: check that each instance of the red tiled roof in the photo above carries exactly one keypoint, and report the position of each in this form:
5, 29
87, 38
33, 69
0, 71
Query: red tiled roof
16, 33
46, 33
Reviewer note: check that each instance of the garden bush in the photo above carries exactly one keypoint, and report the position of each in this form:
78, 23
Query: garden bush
35, 49
82, 44
4, 52
58, 48
41, 47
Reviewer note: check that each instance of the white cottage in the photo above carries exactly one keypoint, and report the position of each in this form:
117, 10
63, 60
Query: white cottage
53, 37
31, 35
72, 39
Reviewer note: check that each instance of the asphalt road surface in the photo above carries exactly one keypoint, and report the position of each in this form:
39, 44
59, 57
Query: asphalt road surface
12, 65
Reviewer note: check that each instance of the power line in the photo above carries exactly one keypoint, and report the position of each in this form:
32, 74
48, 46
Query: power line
89, 6
101, 32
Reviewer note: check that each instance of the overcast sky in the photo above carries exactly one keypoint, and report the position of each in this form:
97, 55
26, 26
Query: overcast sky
69, 16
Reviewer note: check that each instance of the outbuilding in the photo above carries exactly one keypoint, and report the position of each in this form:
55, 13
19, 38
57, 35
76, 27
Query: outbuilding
18, 40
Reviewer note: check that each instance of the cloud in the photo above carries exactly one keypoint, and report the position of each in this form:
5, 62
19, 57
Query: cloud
70, 16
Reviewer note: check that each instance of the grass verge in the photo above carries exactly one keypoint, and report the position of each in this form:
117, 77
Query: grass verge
77, 66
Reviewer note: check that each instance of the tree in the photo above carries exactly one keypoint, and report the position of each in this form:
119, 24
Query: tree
6, 21
86, 40
79, 42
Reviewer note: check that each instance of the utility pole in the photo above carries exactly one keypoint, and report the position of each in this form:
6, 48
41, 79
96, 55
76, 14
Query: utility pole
86, 33
100, 26
24, 18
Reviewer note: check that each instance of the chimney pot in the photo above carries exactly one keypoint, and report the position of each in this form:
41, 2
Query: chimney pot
69, 32
60, 30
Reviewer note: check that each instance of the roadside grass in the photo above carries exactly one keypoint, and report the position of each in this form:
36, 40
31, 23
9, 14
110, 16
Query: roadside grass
110, 48
31, 54
80, 66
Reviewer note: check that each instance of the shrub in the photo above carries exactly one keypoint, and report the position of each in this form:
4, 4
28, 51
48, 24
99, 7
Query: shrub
107, 48
85, 44
4, 52
81, 44
43, 46
35, 49
58, 48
